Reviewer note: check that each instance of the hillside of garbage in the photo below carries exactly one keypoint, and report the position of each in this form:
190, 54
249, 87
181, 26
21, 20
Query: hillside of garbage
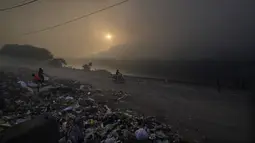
80, 117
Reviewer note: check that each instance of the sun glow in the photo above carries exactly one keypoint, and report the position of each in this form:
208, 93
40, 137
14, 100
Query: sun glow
108, 36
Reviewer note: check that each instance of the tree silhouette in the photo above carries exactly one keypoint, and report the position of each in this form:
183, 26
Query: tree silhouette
57, 62
26, 51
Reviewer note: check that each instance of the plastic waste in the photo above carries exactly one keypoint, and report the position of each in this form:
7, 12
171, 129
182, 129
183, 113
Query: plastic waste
5, 125
81, 87
108, 110
24, 85
152, 136
68, 108
21, 120
141, 134
69, 98
80, 116
32, 84
30, 90
160, 135
91, 99
110, 140
72, 107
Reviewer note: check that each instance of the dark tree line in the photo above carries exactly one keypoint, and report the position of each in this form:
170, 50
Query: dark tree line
25, 51
31, 53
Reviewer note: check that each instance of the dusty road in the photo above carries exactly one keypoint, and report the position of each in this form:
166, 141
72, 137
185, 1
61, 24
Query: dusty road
198, 112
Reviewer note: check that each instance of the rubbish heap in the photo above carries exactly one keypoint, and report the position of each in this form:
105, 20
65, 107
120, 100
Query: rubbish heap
80, 117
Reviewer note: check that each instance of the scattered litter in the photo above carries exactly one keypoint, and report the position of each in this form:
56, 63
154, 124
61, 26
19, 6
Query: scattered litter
21, 120
5, 125
91, 99
24, 85
68, 108
81, 118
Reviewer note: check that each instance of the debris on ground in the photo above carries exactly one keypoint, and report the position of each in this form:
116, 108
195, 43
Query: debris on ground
80, 117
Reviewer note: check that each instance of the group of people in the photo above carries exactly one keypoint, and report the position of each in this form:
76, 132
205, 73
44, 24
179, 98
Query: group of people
38, 78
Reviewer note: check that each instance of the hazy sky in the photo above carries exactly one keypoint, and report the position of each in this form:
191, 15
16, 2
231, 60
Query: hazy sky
167, 29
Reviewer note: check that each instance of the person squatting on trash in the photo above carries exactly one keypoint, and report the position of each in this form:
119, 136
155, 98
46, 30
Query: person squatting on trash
41, 74
38, 78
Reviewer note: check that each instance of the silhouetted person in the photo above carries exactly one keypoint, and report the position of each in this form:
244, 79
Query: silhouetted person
117, 72
90, 64
40, 74
118, 75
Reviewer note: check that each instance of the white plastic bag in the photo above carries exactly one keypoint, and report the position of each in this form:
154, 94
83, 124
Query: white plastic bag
24, 85
141, 134
81, 87
32, 84
69, 98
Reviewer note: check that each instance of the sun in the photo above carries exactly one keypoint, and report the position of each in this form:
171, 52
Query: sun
108, 36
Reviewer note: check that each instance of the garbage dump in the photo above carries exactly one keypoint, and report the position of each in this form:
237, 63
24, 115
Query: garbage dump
80, 117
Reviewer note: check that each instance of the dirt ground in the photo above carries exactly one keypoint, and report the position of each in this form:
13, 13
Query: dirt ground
199, 113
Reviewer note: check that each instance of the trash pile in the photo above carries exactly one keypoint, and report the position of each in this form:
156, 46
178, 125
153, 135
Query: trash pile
80, 117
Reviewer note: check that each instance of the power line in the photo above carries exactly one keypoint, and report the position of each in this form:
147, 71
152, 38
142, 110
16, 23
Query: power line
76, 19
19, 5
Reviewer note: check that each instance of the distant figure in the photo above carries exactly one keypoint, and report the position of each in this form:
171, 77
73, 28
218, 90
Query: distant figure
118, 76
90, 64
87, 67
40, 74
117, 72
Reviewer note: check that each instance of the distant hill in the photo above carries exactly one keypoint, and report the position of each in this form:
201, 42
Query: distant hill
26, 52
31, 53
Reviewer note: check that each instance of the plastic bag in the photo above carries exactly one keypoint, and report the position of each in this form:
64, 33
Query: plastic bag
31, 84
22, 84
141, 134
